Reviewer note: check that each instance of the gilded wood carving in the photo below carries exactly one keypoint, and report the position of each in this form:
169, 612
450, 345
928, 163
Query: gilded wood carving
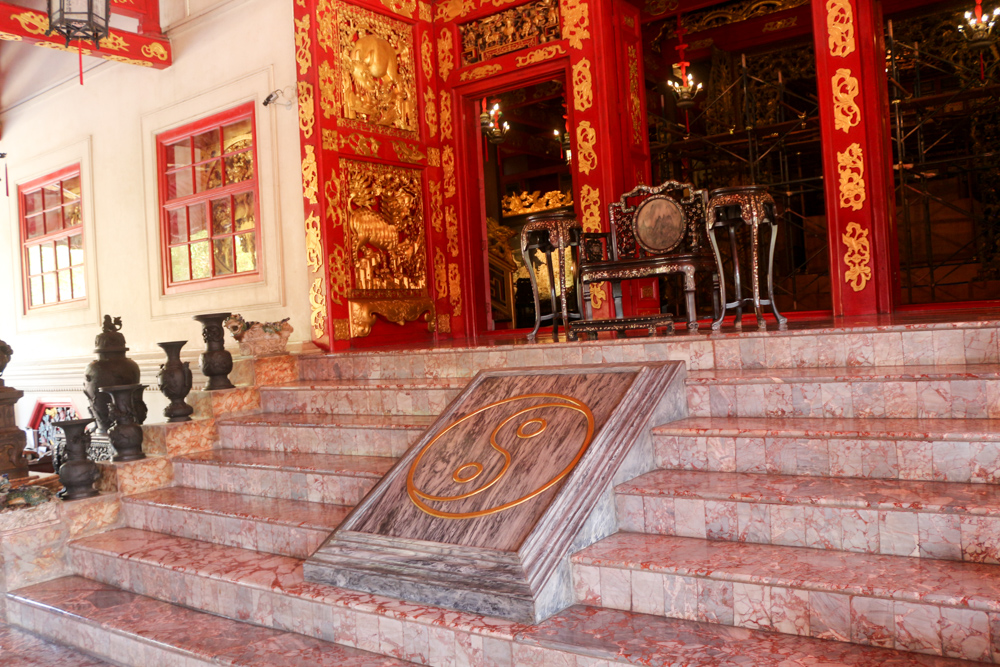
576, 22
303, 44
586, 137
430, 112
446, 57
307, 109
437, 212
448, 164
408, 152
840, 27
445, 114
451, 229
846, 113
427, 55
857, 256
314, 247
310, 177
340, 275
317, 308
480, 72
634, 102
440, 274
327, 90
583, 91
851, 168
521, 27
540, 55
520, 203
397, 311
454, 290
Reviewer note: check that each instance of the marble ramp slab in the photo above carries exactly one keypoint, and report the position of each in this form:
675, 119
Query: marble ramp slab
481, 514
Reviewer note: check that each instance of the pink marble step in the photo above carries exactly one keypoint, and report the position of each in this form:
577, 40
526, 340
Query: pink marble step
353, 435
320, 478
894, 392
939, 606
902, 518
954, 450
140, 631
22, 649
625, 638
365, 397
273, 525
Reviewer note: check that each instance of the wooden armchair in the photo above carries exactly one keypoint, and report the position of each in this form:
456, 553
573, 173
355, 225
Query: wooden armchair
654, 231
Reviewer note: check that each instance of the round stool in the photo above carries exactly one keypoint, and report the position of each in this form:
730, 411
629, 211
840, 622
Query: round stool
553, 231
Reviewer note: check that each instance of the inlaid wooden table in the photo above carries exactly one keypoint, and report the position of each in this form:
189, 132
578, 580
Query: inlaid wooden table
553, 231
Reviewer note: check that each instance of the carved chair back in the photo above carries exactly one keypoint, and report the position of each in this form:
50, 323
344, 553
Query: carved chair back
668, 219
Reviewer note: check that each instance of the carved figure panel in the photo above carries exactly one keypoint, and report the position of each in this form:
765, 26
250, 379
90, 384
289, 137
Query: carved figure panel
521, 27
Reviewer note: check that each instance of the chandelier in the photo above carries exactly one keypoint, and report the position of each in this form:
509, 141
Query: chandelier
978, 28
491, 126
79, 20
686, 89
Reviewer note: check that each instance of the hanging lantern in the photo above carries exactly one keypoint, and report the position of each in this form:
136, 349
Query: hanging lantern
978, 27
491, 125
79, 19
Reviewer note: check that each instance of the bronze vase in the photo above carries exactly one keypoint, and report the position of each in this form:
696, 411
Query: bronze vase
175, 382
127, 412
78, 473
111, 368
216, 361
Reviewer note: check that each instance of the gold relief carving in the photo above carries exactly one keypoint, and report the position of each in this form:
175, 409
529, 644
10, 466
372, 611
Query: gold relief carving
7, 37
656, 7
446, 55
444, 323
407, 152
527, 428
401, 7
451, 228
840, 27
154, 50
310, 175
586, 137
330, 142
340, 278
72, 49
851, 167
378, 82
385, 215
307, 109
846, 113
520, 203
590, 205
437, 215
32, 23
540, 55
774, 26
445, 114
453, 9
333, 201
634, 103
367, 146
427, 55
454, 290
424, 13
433, 157
736, 12
327, 89
395, 310
430, 112
303, 45
480, 72
522, 27
326, 20
576, 22
341, 329
597, 295
857, 256
118, 43
448, 164
117, 59
440, 274
317, 308
628, 20
583, 92
314, 247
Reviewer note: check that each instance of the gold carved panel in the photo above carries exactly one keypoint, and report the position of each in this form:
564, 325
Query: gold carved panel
440, 274
398, 311
446, 55
448, 164
327, 90
540, 55
303, 44
310, 176
634, 102
590, 206
332, 189
427, 55
430, 112
437, 214
480, 72
340, 275
576, 22
445, 114
851, 168
857, 256
840, 27
583, 90
314, 246
307, 109
451, 229
454, 290
586, 137
520, 27
317, 308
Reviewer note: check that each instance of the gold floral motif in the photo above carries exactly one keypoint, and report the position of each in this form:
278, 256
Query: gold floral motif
586, 137
333, 200
583, 93
72, 49
851, 166
367, 146
857, 256
307, 109
445, 114
326, 21
774, 26
520, 203
424, 13
449, 10
330, 142
480, 72
657, 7
735, 11
116, 42
395, 310
407, 152
540, 55
340, 275
317, 307
433, 157
523, 27
840, 27
846, 113
327, 89
590, 205
116, 59
597, 295
430, 112
448, 164
440, 274
341, 329
401, 7
446, 55
427, 55
576, 22
8, 37
310, 175
437, 203
628, 21
314, 247
455, 290
444, 323
154, 50
451, 228
303, 45
32, 23
634, 103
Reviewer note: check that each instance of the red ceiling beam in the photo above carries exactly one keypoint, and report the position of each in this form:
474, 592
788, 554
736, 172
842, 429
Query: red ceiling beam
20, 24
147, 11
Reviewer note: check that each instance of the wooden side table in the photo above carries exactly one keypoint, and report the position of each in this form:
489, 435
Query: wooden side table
553, 231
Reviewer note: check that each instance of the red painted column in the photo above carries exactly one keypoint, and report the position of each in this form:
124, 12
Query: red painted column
857, 155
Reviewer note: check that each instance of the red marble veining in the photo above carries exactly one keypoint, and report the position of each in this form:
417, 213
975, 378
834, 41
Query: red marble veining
361, 466
367, 384
639, 639
405, 422
860, 428
888, 494
971, 585
20, 649
271, 510
846, 374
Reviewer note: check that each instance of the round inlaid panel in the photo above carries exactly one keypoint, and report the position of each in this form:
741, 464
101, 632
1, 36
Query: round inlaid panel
659, 224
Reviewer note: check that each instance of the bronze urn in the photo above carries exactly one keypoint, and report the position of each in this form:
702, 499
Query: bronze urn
111, 368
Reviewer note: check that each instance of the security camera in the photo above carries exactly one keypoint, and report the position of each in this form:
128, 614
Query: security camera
272, 98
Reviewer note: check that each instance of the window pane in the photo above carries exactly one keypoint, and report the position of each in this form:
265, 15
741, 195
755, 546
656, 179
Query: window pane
239, 167
237, 136
196, 221
177, 226
71, 189
53, 195
34, 260
79, 283
201, 260
71, 214
246, 253
245, 212
51, 293
65, 285
76, 249
179, 184
223, 256
208, 175
179, 267
62, 253
48, 256
33, 202
35, 291
222, 214
206, 145
179, 154
35, 225
53, 221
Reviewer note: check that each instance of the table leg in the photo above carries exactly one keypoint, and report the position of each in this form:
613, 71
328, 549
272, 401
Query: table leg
782, 320
534, 292
720, 295
552, 294
755, 277
737, 284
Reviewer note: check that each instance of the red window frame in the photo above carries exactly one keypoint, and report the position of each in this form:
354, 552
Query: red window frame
203, 197
54, 211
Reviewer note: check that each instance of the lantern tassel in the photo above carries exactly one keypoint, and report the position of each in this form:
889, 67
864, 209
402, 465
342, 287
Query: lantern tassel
79, 50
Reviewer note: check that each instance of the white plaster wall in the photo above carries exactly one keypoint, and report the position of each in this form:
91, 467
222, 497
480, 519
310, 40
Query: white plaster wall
225, 52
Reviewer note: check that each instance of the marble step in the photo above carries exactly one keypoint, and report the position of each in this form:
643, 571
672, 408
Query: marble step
318, 478
272, 525
24, 649
944, 520
363, 397
351, 435
953, 450
916, 604
139, 631
894, 392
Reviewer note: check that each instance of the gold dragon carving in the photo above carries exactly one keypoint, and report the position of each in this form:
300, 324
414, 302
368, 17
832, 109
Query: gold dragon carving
446, 54
303, 45
846, 113
857, 256
586, 137
520, 203
445, 114
540, 55
362, 145
840, 27
448, 164
407, 152
480, 72
307, 109
583, 91
576, 22
851, 168
310, 175
522, 27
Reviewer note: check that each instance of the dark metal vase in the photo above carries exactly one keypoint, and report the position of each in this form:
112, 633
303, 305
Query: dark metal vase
175, 382
111, 368
127, 412
216, 362
78, 473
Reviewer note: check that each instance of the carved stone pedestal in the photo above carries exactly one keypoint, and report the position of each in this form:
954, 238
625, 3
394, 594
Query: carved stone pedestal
12, 439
